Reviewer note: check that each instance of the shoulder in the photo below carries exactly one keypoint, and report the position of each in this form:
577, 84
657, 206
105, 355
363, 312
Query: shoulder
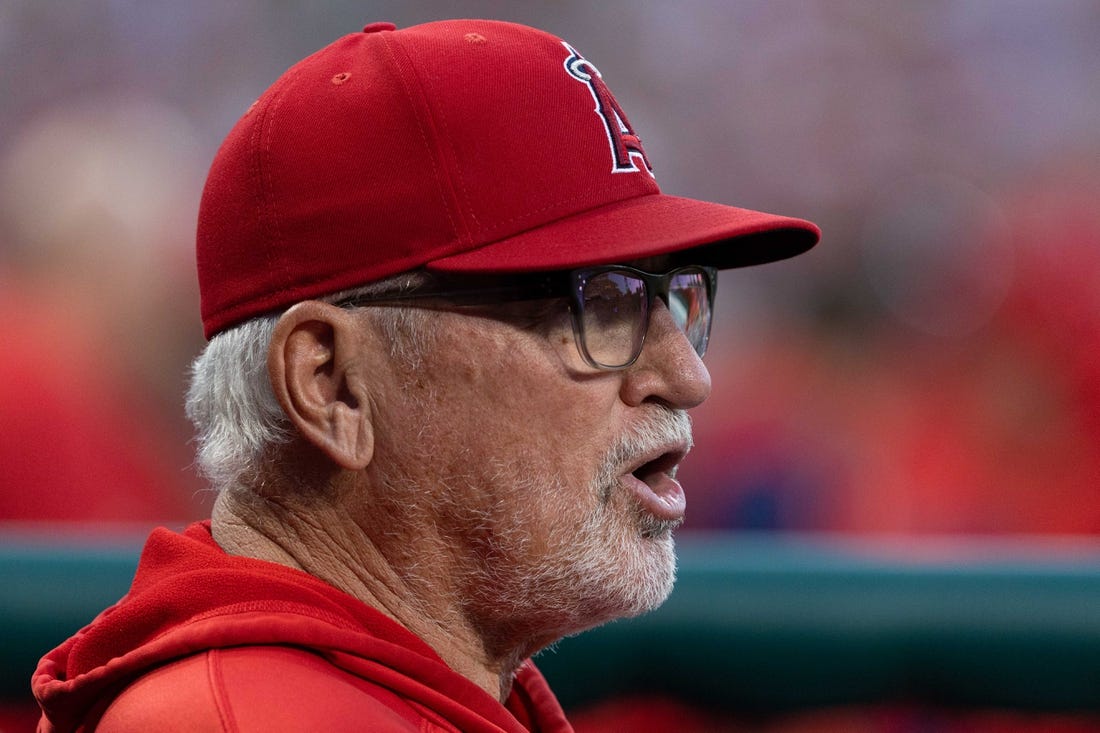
255, 688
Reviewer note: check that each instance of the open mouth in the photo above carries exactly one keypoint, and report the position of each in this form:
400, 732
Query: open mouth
655, 487
653, 472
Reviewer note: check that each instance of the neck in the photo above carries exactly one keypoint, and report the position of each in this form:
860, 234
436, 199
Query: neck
384, 569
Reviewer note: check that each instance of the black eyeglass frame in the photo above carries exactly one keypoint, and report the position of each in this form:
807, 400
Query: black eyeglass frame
478, 290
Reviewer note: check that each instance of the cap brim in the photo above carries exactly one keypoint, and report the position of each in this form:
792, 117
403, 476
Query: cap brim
646, 226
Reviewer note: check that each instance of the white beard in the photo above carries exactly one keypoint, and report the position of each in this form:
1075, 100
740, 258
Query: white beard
538, 579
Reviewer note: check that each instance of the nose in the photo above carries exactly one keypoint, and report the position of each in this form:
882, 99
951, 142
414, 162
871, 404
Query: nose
668, 369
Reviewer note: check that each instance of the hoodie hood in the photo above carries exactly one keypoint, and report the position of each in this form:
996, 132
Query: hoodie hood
189, 596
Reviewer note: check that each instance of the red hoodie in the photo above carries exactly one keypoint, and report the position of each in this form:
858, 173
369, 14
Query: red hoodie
206, 641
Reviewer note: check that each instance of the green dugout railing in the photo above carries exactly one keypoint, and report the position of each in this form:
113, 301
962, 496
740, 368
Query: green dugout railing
757, 623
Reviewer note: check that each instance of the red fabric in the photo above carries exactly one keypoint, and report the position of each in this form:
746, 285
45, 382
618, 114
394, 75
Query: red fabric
472, 145
210, 641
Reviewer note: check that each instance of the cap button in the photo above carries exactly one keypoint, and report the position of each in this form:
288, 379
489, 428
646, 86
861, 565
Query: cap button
377, 27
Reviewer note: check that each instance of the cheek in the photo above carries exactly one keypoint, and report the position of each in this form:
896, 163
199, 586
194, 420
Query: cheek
513, 392
493, 410
550, 425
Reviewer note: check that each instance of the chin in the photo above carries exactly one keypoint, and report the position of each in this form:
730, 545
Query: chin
639, 579
618, 562
654, 582
630, 570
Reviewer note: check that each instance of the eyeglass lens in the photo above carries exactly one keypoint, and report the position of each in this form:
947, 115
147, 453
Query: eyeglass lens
615, 313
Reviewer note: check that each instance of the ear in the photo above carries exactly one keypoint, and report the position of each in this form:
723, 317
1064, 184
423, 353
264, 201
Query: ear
316, 366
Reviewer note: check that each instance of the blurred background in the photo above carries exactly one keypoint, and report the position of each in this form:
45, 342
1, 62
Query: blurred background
932, 368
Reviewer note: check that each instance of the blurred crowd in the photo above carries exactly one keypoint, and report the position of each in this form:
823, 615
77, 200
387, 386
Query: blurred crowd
948, 383
932, 367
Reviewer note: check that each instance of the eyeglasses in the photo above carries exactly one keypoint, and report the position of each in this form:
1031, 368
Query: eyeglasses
610, 305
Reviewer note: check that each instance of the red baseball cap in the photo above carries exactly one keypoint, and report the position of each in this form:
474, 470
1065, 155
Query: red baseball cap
461, 146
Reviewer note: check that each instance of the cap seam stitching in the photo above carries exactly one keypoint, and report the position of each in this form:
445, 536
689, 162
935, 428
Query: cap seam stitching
440, 112
269, 215
386, 43
255, 144
266, 125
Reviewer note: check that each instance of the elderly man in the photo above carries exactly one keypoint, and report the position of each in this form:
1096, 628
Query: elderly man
454, 328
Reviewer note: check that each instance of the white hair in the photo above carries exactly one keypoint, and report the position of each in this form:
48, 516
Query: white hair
239, 424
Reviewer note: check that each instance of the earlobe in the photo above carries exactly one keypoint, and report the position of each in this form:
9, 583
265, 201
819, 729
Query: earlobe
312, 363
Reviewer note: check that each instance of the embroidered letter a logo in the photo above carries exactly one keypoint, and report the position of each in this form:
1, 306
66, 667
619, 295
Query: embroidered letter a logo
627, 155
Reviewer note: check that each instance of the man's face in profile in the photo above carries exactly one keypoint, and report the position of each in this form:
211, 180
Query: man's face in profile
552, 482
